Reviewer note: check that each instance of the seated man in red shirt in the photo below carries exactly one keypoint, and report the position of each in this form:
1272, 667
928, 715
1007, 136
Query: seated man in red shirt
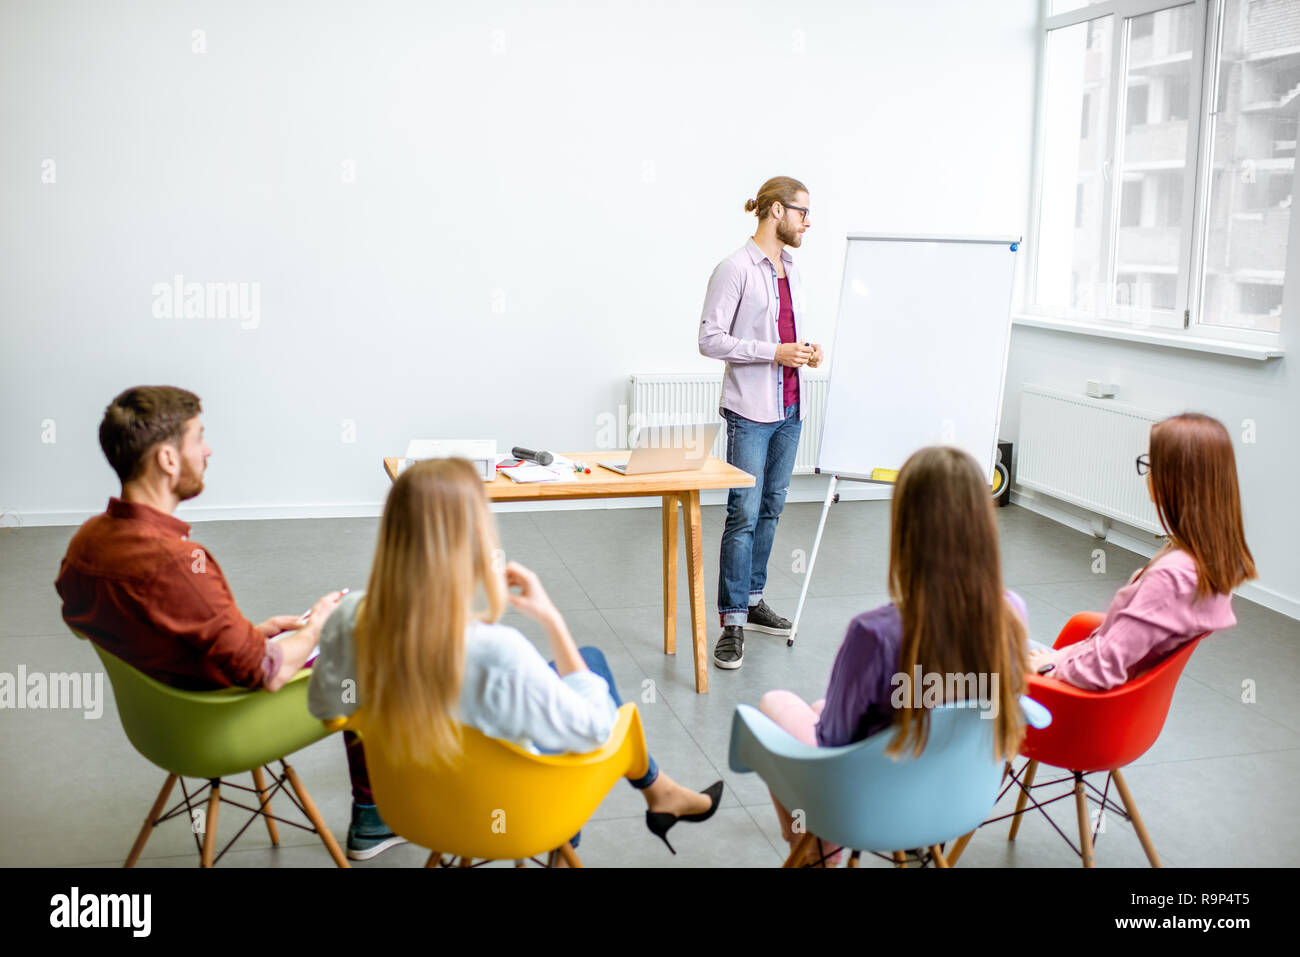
135, 584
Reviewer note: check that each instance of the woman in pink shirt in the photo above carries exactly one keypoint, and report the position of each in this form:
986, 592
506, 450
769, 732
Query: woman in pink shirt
1186, 589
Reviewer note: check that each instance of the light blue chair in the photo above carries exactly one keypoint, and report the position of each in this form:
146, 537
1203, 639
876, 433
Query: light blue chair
864, 800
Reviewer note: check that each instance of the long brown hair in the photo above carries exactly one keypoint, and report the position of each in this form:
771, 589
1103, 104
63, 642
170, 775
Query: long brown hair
437, 545
945, 577
1194, 483
778, 189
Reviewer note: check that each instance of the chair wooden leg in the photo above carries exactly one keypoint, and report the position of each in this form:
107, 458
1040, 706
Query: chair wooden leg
900, 858
434, 860
210, 824
570, 855
1131, 807
1026, 783
313, 815
260, 783
147, 829
937, 854
853, 858
467, 862
1085, 826
958, 847
800, 849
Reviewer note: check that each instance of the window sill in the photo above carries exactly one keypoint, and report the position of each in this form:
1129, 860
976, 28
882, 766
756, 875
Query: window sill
1156, 337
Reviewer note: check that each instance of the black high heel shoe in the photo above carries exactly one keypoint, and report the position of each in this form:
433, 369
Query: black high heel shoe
660, 822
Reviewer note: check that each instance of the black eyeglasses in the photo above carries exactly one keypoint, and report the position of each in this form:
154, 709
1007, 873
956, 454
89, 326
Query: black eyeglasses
803, 211
1143, 463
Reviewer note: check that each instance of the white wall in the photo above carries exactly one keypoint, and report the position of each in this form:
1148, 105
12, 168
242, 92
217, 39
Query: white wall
1258, 402
580, 166
1171, 381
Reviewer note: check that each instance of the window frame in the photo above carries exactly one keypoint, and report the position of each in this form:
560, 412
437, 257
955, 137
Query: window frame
1207, 38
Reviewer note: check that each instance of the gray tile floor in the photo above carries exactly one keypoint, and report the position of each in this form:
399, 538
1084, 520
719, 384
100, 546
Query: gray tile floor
1216, 790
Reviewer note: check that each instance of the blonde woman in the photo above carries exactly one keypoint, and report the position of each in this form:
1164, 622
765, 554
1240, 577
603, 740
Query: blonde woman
425, 652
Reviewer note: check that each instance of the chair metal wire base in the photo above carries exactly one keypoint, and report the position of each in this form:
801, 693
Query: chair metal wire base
283, 782
567, 853
1092, 795
921, 856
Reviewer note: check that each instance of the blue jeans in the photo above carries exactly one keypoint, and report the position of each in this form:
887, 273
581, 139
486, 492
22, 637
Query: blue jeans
766, 450
595, 660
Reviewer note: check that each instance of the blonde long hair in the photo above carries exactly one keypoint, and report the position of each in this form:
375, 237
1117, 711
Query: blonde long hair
437, 545
945, 576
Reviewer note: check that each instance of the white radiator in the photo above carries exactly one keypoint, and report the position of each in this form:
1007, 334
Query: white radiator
1082, 450
691, 399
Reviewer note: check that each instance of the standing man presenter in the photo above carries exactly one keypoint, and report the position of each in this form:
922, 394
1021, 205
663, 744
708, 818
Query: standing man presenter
749, 323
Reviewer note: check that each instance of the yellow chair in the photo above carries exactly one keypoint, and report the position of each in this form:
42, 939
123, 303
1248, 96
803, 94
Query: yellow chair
499, 801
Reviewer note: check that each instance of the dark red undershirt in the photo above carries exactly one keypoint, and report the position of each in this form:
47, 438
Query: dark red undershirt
785, 325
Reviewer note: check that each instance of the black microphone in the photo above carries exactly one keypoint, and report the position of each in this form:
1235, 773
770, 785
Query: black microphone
541, 458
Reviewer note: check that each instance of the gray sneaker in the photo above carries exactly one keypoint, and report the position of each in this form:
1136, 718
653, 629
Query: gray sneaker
729, 652
368, 835
765, 620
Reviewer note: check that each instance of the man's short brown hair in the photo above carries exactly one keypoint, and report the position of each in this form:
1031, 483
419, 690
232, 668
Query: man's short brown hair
140, 418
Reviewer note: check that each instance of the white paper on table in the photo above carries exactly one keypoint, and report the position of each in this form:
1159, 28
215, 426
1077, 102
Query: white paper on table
532, 473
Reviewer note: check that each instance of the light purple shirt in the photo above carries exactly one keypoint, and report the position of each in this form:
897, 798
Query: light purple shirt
1151, 617
739, 326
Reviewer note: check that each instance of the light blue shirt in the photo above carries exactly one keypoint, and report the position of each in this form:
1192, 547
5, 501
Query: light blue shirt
508, 692
739, 326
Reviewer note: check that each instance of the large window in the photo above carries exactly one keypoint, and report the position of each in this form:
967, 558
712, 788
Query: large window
1166, 164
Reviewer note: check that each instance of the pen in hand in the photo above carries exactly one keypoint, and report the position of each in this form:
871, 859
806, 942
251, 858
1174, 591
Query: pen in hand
306, 615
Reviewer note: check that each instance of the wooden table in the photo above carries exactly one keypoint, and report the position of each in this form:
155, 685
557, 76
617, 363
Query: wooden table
673, 488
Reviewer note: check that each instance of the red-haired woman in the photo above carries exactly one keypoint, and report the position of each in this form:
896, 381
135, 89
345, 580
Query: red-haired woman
1186, 589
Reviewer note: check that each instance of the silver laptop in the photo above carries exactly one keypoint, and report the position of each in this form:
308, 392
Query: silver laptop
668, 448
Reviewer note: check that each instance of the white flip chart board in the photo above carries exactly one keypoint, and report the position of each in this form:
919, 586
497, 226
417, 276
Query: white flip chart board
920, 351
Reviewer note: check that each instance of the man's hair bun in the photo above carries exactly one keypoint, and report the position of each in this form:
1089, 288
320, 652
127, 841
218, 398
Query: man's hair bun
778, 189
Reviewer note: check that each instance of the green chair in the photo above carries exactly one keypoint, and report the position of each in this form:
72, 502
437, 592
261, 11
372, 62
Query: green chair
212, 735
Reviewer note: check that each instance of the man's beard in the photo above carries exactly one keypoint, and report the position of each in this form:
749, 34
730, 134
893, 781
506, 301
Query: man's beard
190, 484
788, 234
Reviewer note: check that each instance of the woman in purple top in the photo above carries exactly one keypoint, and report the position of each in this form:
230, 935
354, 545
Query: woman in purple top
1186, 589
949, 616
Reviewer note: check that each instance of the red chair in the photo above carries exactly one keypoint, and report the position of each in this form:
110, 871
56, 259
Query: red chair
1094, 731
